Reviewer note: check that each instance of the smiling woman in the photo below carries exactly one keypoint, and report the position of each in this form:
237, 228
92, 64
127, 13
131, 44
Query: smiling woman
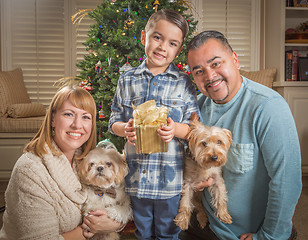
71, 127
46, 173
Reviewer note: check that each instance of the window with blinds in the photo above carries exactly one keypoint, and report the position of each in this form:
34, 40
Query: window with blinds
39, 37
36, 44
238, 20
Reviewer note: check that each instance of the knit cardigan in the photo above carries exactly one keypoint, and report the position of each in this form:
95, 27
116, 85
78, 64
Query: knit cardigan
43, 198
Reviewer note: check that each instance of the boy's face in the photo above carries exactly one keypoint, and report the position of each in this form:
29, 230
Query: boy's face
163, 41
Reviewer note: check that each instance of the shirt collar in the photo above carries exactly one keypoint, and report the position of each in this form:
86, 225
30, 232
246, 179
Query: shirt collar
172, 70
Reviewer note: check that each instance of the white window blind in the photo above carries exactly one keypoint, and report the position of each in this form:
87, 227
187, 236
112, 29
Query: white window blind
39, 37
36, 37
238, 20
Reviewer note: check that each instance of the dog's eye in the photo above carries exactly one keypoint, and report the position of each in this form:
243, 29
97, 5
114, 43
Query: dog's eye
204, 144
219, 142
92, 164
108, 164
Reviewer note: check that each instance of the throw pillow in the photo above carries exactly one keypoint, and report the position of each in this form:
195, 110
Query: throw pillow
265, 77
26, 110
12, 90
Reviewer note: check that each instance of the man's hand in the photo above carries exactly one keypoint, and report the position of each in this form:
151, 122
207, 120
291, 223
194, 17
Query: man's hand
246, 236
206, 183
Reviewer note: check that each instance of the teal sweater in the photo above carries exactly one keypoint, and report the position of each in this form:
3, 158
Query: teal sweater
263, 172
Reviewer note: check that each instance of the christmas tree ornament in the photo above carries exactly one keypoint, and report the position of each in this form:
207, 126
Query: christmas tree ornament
101, 114
89, 87
125, 67
156, 4
180, 66
128, 23
186, 69
98, 67
109, 61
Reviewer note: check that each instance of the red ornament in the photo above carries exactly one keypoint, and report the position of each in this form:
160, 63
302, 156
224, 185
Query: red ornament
179, 66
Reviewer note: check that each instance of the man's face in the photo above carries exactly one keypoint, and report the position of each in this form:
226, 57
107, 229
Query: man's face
215, 70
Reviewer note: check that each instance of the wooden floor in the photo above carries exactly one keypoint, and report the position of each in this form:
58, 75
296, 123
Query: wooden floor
300, 218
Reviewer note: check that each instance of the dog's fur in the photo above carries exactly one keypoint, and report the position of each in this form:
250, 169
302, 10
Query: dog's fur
102, 173
208, 153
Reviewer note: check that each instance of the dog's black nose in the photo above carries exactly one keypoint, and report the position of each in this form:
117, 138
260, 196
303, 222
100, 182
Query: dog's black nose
214, 158
100, 169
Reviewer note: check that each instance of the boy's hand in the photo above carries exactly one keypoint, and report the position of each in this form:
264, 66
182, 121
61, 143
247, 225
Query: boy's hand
130, 133
167, 132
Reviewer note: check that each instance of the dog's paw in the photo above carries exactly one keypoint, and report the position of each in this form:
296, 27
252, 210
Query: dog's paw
202, 219
182, 219
225, 218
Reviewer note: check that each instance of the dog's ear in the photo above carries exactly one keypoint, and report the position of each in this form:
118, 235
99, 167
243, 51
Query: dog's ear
82, 169
194, 121
123, 168
229, 136
194, 117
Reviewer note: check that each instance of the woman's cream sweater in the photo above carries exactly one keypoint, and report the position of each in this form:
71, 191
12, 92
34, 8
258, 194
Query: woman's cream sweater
43, 198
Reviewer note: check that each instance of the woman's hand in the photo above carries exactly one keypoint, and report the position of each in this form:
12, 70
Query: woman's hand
99, 222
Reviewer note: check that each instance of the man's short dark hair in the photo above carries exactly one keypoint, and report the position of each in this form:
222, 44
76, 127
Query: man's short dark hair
202, 37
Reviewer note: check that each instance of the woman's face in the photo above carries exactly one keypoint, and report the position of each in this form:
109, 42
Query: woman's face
72, 128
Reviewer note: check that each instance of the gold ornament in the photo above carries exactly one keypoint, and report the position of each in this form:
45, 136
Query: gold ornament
128, 23
155, 4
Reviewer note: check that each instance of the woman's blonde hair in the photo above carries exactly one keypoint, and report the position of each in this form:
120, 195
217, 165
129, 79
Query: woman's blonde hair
80, 98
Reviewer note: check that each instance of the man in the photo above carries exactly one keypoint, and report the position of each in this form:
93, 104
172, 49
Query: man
263, 172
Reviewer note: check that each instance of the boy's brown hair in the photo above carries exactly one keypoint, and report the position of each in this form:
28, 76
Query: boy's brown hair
170, 16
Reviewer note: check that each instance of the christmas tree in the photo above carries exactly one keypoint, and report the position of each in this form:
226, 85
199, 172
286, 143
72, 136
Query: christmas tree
114, 46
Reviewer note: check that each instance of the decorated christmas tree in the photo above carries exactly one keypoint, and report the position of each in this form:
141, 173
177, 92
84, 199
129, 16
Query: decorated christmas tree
114, 46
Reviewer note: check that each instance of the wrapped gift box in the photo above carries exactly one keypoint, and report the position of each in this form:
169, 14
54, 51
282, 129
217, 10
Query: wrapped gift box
148, 141
147, 120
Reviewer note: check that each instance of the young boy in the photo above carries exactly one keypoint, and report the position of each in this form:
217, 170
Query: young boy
154, 181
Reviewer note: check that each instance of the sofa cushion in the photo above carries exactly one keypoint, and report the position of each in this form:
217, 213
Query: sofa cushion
265, 77
12, 90
20, 125
21, 110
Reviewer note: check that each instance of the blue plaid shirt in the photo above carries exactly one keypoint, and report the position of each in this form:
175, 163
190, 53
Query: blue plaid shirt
157, 175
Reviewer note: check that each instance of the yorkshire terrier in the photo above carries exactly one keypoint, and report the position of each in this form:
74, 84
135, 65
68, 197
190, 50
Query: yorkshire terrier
102, 174
208, 148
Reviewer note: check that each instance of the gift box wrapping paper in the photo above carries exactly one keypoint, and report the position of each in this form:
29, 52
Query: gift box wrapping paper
147, 120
